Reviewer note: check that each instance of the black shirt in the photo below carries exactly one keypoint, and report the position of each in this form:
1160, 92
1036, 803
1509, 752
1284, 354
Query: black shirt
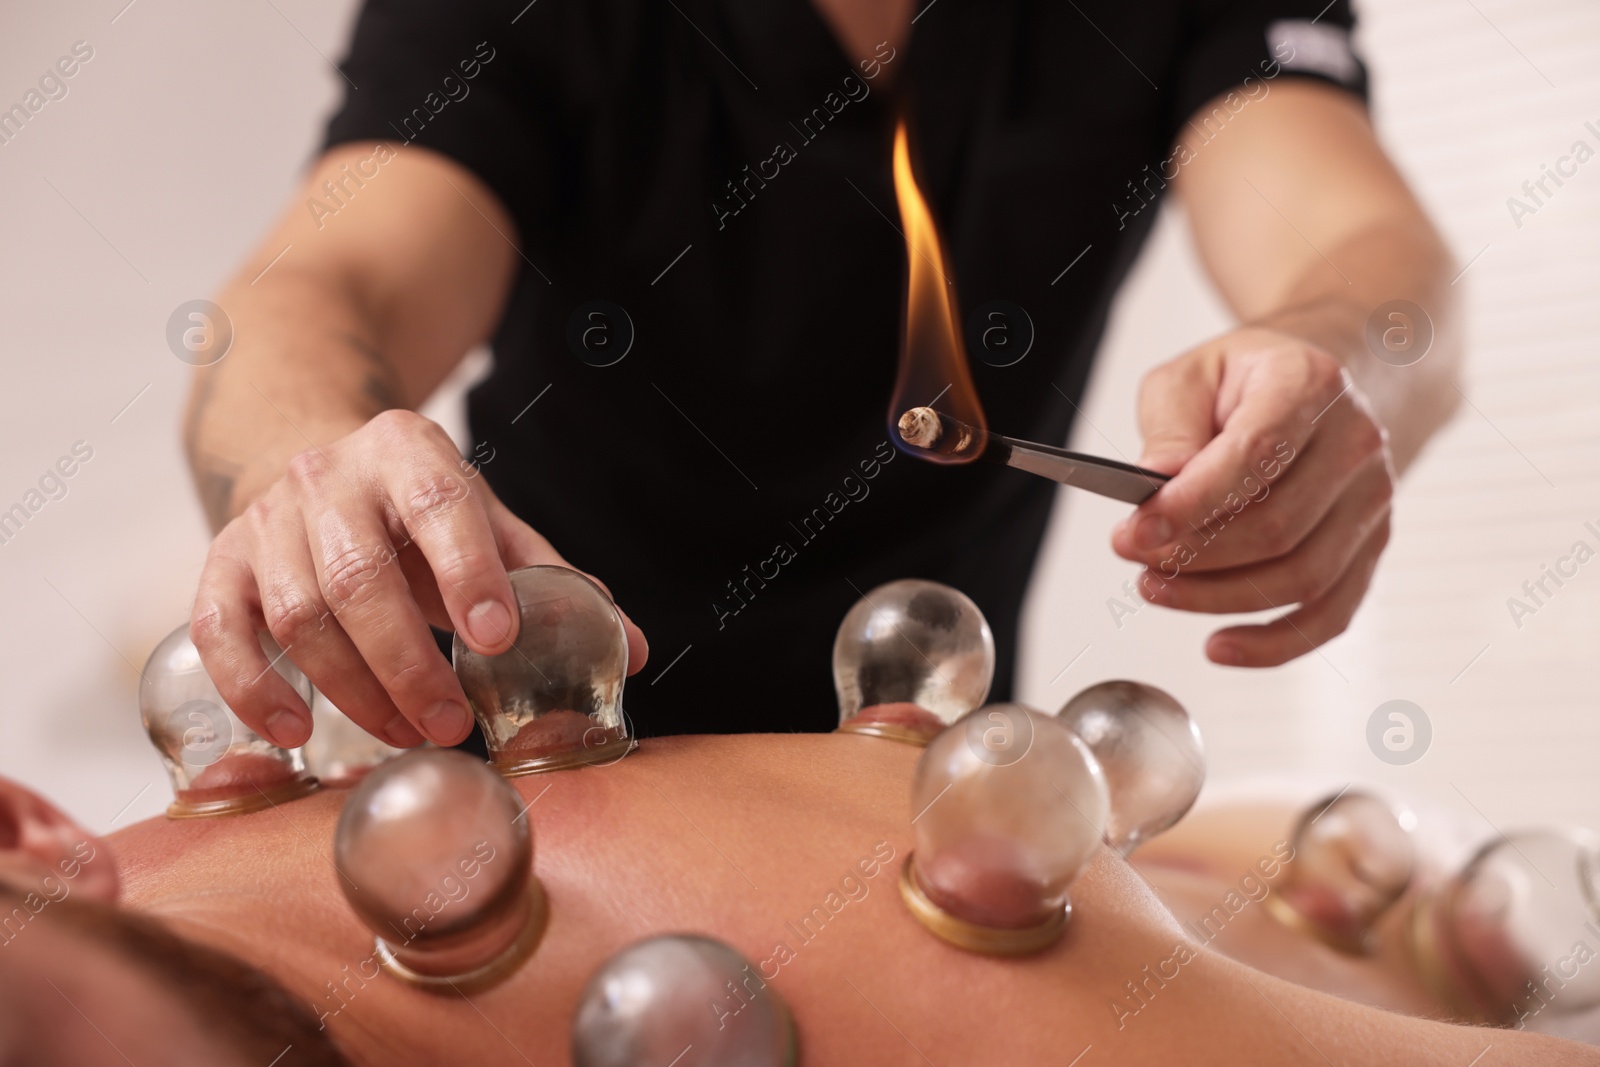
719, 170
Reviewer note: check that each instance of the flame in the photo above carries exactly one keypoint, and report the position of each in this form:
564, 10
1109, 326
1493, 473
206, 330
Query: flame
933, 358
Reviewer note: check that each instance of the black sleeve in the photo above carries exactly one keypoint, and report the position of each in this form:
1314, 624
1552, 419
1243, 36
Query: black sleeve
453, 76
1246, 44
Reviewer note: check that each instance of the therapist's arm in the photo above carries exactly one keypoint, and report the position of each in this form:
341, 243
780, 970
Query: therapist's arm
356, 302
1286, 434
346, 523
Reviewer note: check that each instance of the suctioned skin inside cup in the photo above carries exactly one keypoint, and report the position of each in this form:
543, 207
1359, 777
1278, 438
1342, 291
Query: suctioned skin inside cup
1354, 857
217, 764
910, 658
901, 721
238, 774
990, 882
554, 699
1513, 932
1008, 806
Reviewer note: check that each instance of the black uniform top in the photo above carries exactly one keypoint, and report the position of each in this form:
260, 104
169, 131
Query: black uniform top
703, 189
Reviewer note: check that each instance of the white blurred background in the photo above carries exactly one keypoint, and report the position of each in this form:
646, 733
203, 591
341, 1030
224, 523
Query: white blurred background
184, 134
1472, 98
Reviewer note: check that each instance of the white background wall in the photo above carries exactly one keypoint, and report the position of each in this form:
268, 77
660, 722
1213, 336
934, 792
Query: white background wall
1472, 97
180, 139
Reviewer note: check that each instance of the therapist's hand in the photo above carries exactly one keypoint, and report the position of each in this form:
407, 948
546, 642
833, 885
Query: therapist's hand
1280, 495
347, 559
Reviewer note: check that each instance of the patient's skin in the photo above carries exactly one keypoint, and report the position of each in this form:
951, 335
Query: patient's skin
1193, 866
737, 838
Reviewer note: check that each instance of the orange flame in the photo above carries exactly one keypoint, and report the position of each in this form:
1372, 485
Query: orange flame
933, 359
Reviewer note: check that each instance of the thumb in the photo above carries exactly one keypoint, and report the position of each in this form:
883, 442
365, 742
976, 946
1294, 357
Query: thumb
1177, 402
1177, 405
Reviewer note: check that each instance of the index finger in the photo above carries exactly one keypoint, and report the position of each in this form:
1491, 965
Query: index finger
224, 625
372, 601
447, 520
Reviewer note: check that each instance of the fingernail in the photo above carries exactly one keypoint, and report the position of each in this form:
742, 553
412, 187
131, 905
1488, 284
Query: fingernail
285, 729
445, 722
1152, 531
400, 733
489, 623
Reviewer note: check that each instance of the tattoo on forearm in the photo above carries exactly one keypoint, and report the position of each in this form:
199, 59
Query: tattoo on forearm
216, 478
381, 384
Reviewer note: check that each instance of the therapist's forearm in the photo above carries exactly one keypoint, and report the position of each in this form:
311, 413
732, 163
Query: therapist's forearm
338, 316
1307, 227
1389, 262
304, 370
